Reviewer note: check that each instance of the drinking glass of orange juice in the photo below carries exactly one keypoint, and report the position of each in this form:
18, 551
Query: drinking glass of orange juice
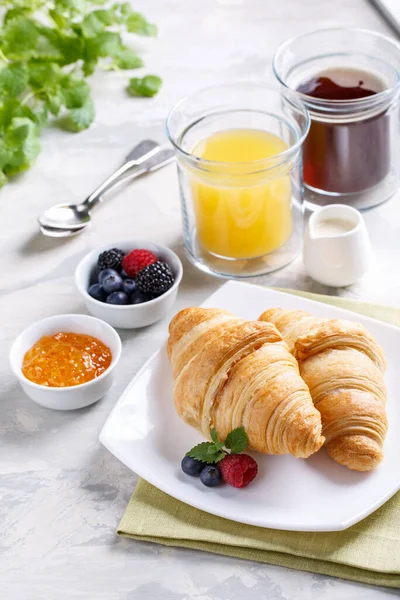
238, 149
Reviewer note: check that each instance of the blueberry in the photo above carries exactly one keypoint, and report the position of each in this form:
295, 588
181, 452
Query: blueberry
97, 292
128, 286
192, 467
117, 298
105, 273
94, 276
124, 275
112, 283
210, 476
139, 297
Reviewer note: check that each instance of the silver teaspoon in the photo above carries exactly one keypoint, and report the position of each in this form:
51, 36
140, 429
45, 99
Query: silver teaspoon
75, 216
157, 160
60, 233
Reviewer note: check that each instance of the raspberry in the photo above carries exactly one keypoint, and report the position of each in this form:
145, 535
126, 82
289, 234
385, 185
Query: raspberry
137, 260
238, 469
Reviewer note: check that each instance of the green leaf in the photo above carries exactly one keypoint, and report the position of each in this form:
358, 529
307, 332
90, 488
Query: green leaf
13, 108
54, 102
75, 92
19, 38
22, 139
125, 8
3, 179
144, 86
96, 21
40, 115
46, 47
107, 43
137, 23
128, 59
71, 7
205, 452
44, 75
80, 118
71, 47
89, 67
58, 18
236, 440
214, 435
5, 154
13, 13
13, 79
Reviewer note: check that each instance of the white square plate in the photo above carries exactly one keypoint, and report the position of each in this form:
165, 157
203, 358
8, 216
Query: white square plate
316, 494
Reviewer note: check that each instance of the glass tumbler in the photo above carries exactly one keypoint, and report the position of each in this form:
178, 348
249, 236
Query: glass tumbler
350, 154
240, 218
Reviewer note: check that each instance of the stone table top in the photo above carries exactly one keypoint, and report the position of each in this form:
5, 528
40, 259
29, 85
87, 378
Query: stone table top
62, 494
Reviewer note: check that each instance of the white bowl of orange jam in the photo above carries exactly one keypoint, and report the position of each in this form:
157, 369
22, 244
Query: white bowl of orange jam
66, 362
130, 316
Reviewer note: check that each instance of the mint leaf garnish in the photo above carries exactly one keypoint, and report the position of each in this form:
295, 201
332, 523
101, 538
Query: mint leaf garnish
206, 452
214, 435
236, 440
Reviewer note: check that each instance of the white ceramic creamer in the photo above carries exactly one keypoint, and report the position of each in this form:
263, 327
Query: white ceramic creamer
337, 248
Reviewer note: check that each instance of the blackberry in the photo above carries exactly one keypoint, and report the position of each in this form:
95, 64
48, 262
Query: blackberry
155, 279
111, 259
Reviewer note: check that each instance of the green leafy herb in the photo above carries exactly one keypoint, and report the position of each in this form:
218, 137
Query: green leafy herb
206, 452
144, 86
213, 452
236, 441
47, 49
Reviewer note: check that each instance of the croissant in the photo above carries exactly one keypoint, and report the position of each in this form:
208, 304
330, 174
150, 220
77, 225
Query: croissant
230, 373
343, 367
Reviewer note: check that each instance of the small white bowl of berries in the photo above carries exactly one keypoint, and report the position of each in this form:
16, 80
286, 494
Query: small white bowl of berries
129, 284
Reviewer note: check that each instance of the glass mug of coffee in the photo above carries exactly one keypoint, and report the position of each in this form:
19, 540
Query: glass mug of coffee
349, 80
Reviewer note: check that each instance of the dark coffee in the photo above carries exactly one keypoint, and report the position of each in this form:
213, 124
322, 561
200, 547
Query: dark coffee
350, 155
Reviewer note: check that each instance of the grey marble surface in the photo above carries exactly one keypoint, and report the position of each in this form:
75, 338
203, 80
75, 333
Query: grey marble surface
62, 494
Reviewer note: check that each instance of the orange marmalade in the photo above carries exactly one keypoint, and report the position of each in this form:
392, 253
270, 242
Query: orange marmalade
66, 359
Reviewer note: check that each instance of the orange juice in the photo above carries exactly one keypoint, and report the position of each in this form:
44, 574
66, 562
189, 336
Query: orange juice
239, 215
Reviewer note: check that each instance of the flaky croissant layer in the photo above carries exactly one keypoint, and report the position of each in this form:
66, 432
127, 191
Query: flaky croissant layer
343, 367
230, 373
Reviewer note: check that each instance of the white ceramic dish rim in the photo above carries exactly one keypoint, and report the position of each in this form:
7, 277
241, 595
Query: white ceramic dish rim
329, 212
247, 519
90, 259
48, 320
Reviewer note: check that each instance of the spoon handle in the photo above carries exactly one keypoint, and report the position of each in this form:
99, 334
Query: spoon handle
136, 157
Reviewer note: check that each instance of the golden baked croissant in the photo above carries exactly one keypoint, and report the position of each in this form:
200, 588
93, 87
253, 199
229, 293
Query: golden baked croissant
343, 366
230, 373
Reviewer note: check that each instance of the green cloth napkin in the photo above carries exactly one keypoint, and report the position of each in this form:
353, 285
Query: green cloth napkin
368, 552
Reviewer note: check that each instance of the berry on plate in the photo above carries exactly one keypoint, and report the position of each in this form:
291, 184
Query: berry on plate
97, 292
155, 279
111, 259
191, 467
210, 476
136, 260
117, 298
238, 469
112, 283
